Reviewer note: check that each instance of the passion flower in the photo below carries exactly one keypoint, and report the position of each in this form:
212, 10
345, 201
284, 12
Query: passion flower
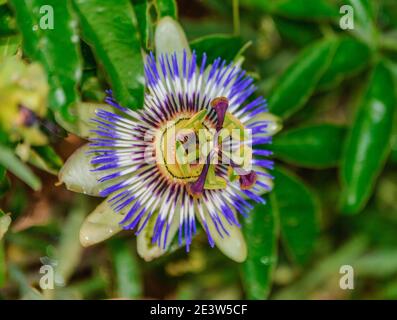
194, 152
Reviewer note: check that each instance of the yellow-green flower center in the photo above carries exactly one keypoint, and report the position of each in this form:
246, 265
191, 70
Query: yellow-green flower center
188, 149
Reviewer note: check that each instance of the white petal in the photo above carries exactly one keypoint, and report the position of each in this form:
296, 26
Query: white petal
264, 179
170, 38
232, 246
146, 249
275, 126
77, 175
85, 112
100, 225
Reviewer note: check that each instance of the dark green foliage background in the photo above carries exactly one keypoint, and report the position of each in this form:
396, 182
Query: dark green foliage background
334, 201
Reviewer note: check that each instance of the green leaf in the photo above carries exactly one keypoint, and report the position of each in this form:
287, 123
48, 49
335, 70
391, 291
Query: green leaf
91, 285
388, 13
298, 82
142, 12
368, 142
314, 146
51, 46
18, 168
92, 90
324, 269
5, 221
297, 9
3, 265
299, 33
260, 230
45, 158
9, 46
26, 289
350, 57
112, 31
298, 211
126, 269
393, 152
364, 17
306, 9
377, 264
4, 182
69, 249
218, 45
7, 23
167, 8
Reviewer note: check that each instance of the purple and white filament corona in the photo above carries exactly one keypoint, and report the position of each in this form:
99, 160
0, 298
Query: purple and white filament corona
128, 147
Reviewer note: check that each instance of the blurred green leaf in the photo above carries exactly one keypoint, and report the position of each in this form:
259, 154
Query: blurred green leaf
325, 269
51, 46
298, 211
86, 287
29, 242
388, 42
126, 269
167, 8
306, 9
314, 146
351, 57
5, 221
18, 168
4, 182
69, 249
203, 27
3, 267
91, 90
297, 32
298, 82
393, 153
381, 263
27, 292
45, 158
297, 9
142, 12
260, 229
368, 142
7, 22
260, 4
364, 17
388, 13
218, 45
9, 45
112, 31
